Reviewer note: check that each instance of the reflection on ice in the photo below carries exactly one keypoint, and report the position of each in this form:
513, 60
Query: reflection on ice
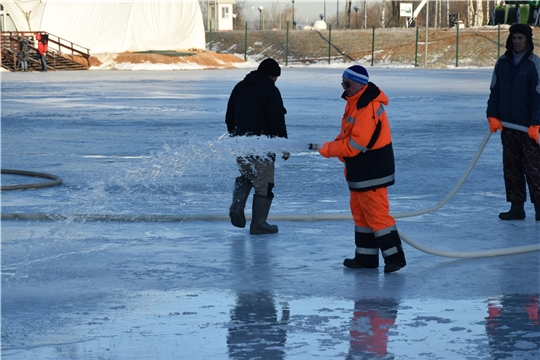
256, 329
262, 324
86, 290
372, 320
512, 323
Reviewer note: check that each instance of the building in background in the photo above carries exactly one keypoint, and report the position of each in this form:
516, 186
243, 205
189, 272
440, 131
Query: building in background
220, 14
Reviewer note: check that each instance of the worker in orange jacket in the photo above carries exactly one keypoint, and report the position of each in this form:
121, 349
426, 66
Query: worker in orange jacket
365, 145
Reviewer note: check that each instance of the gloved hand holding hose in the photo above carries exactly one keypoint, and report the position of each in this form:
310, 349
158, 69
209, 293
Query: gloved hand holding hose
533, 132
494, 124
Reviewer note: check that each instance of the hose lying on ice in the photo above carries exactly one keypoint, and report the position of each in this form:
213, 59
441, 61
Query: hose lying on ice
307, 217
471, 254
455, 254
56, 180
461, 254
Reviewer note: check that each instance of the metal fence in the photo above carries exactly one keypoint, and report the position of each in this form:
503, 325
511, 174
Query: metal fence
448, 47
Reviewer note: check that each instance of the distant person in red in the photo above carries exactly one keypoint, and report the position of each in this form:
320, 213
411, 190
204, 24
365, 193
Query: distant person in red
43, 46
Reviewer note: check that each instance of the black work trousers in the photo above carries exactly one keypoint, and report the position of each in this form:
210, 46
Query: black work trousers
521, 165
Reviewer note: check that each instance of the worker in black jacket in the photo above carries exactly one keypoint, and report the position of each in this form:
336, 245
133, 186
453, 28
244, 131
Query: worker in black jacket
255, 108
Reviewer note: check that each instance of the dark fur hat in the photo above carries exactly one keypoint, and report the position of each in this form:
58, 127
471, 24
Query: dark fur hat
520, 29
270, 67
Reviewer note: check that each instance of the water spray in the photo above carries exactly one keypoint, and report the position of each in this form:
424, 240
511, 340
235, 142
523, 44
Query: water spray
240, 146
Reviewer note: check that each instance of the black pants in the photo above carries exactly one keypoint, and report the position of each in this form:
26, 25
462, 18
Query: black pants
521, 164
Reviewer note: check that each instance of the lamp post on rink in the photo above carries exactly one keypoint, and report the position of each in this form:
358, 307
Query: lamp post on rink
260, 17
356, 8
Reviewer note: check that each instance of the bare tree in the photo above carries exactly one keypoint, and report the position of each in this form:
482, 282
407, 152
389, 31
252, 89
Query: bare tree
239, 18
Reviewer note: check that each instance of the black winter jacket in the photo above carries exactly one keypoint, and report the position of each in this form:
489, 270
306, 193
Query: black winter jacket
515, 90
255, 108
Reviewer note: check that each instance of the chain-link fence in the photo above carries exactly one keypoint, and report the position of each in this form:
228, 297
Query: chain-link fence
449, 47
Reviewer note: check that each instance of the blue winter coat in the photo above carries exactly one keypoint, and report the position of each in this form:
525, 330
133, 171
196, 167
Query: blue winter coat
515, 90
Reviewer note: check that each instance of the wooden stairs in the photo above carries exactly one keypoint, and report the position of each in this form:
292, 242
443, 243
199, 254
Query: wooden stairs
61, 55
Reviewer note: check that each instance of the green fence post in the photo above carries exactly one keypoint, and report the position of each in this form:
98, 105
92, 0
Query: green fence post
457, 44
373, 46
210, 36
499, 42
287, 46
329, 41
245, 42
416, 50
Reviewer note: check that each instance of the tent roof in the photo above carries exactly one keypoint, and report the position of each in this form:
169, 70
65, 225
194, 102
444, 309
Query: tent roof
114, 26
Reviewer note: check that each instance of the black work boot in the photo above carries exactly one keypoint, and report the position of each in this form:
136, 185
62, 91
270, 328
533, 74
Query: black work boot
394, 257
242, 188
516, 212
366, 254
537, 210
357, 263
261, 208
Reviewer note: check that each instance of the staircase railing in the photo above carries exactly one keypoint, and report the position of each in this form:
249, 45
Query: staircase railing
57, 46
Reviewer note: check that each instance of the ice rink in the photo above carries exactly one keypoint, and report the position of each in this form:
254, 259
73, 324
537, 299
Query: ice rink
132, 256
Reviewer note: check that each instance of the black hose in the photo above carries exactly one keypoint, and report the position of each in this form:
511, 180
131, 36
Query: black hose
56, 180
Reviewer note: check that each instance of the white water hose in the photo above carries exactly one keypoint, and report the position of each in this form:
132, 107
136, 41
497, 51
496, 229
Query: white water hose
306, 217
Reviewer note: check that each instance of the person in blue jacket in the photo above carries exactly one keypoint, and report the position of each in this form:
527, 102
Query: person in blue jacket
515, 98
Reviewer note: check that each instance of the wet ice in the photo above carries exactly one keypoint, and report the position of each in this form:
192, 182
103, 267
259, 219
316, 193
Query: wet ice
140, 143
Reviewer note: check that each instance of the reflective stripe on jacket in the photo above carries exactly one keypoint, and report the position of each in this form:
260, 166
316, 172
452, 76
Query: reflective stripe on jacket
365, 141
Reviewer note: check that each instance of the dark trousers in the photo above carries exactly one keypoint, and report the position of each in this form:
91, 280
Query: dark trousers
43, 59
258, 171
521, 165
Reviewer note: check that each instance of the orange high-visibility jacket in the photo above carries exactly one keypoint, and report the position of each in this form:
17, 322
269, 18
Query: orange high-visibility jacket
365, 141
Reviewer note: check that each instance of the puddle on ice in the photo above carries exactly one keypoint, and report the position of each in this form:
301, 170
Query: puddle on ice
258, 324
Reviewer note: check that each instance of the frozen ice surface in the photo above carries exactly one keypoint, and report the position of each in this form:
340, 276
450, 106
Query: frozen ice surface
150, 143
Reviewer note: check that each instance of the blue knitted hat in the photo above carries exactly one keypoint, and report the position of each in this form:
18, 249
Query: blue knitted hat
357, 74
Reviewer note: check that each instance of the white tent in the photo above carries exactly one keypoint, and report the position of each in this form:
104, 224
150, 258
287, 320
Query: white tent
114, 26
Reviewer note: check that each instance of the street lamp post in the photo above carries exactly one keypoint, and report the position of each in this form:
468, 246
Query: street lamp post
293, 22
337, 15
260, 17
365, 15
356, 8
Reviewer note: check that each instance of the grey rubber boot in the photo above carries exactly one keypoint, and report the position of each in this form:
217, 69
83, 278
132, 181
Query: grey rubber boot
516, 212
242, 188
261, 208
